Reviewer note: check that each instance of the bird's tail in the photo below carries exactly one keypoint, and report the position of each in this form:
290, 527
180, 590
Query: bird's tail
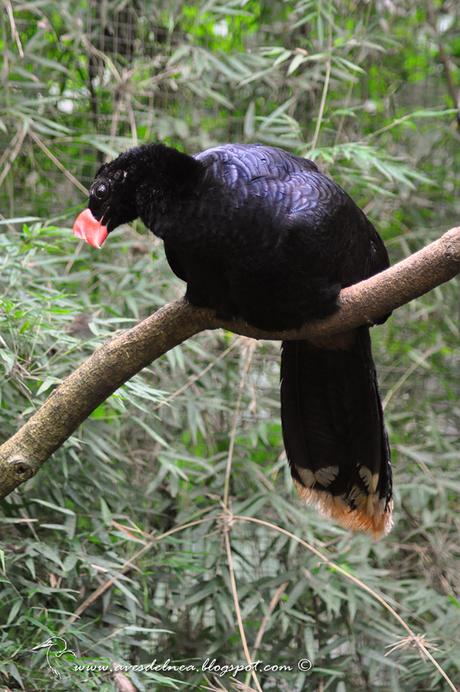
333, 430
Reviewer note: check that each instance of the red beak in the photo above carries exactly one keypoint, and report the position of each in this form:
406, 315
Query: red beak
90, 229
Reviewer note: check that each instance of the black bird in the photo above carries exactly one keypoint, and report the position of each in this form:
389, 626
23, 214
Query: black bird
262, 235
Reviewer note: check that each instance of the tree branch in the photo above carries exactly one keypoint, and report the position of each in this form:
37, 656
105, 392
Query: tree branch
126, 354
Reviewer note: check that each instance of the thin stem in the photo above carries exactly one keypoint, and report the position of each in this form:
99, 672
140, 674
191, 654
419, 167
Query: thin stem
196, 377
250, 347
14, 30
13, 152
327, 77
236, 603
416, 639
228, 469
57, 163
322, 105
409, 372
100, 591
265, 620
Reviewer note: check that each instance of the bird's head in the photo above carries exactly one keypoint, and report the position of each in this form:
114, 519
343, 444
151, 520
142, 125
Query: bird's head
44, 645
119, 187
112, 201
52, 641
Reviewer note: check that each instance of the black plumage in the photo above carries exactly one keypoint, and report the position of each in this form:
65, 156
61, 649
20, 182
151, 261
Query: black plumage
260, 234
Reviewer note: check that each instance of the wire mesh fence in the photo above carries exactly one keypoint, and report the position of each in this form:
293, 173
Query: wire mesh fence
96, 78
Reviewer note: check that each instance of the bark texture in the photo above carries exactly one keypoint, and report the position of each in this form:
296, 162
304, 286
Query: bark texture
126, 354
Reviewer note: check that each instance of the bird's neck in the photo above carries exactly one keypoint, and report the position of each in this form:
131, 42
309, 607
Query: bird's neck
165, 166
168, 179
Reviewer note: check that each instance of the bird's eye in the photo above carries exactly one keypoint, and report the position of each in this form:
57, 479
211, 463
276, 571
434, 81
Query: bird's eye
101, 191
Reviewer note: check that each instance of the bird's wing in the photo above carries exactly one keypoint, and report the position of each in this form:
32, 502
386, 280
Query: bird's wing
324, 219
310, 213
239, 164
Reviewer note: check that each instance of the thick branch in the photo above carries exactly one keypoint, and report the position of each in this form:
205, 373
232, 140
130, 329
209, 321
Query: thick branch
365, 302
96, 379
123, 356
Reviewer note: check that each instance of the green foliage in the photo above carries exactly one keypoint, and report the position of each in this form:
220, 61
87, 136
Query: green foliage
82, 81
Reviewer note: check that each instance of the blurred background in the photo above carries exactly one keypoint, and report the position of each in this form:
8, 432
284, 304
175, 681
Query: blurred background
368, 89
